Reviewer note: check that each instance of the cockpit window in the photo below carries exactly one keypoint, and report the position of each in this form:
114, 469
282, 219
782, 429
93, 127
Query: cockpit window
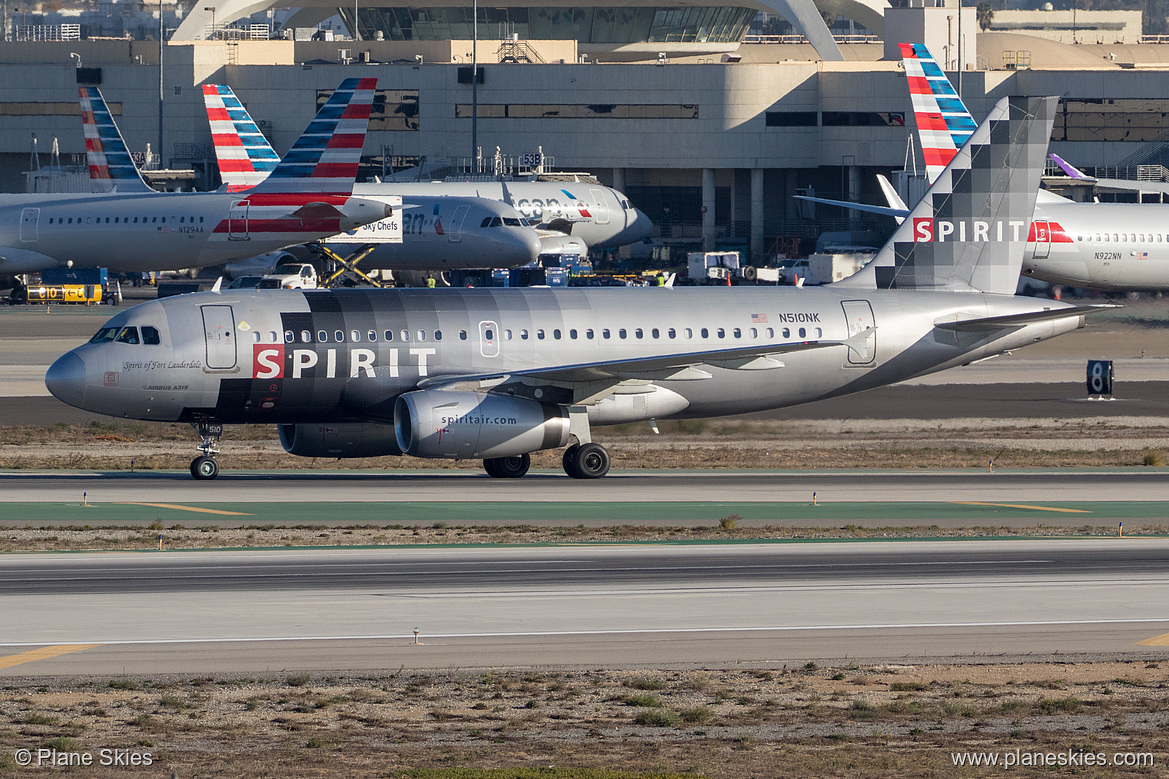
486, 222
150, 336
105, 335
511, 221
496, 221
128, 335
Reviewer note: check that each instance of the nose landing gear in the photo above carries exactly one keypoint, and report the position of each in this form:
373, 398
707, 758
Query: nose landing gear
205, 466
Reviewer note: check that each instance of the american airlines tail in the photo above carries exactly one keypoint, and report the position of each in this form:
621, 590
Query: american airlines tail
110, 165
325, 157
943, 123
969, 230
245, 157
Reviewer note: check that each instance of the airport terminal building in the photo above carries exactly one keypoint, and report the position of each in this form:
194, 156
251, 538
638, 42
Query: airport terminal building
708, 133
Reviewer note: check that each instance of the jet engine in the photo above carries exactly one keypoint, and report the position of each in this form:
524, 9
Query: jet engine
344, 439
466, 425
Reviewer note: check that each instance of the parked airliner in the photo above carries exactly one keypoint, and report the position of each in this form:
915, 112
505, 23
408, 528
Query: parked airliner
600, 216
497, 374
1113, 246
308, 196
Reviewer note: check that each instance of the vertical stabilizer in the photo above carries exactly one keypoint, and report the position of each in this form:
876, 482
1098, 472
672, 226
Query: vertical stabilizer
110, 165
943, 123
325, 157
970, 229
244, 155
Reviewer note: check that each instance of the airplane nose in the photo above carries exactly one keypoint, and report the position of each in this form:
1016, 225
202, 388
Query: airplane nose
639, 228
66, 379
528, 241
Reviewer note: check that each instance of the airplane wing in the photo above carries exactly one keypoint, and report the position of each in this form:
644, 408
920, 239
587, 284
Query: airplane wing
1018, 320
683, 366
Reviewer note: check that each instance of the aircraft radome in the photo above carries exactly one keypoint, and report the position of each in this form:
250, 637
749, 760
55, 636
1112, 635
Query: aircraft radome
497, 374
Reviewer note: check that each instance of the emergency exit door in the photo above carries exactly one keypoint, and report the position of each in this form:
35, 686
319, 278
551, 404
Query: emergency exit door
859, 315
219, 330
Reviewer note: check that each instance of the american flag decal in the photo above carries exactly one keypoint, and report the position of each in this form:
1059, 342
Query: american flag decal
1142, 255
759, 319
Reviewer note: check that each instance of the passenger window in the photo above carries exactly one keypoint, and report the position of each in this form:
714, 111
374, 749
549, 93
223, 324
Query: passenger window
556, 334
589, 334
605, 333
523, 335
704, 333
672, 333
638, 333
787, 333
306, 337
572, 333
322, 337
255, 336
355, 336
738, 332
421, 335
388, 335
803, 332
771, 332
655, 333
754, 333
819, 333
438, 335
150, 336
289, 336
722, 332
462, 335
129, 335
271, 336
339, 335
540, 334
405, 335
689, 332
507, 335
371, 335
489, 334
622, 334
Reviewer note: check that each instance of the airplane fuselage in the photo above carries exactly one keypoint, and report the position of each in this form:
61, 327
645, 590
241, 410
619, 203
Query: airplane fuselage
323, 357
1118, 246
161, 231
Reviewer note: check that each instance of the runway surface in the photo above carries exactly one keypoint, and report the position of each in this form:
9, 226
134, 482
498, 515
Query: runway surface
620, 606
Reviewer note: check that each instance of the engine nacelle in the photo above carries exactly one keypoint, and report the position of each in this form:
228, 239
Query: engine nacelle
345, 439
466, 425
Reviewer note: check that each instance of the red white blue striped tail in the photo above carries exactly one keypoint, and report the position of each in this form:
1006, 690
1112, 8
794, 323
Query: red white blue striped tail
110, 165
245, 157
325, 157
943, 123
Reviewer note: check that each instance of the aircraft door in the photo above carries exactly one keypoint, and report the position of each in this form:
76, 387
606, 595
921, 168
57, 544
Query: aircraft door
456, 231
859, 316
237, 221
29, 218
219, 330
1042, 240
489, 339
601, 214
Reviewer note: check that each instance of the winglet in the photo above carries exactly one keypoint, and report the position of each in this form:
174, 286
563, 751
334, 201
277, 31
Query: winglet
218, 285
110, 165
244, 155
325, 157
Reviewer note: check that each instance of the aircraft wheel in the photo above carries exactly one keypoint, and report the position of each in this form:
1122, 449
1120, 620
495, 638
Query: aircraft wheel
507, 467
204, 468
569, 461
589, 461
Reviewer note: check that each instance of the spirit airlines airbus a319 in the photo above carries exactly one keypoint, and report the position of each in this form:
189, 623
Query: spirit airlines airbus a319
438, 233
497, 374
308, 196
1114, 246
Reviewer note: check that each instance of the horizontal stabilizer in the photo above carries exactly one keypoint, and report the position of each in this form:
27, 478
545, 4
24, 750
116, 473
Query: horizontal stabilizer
897, 213
1018, 320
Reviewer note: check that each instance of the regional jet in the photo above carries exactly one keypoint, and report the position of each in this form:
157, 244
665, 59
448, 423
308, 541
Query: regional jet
496, 374
599, 216
1114, 246
308, 196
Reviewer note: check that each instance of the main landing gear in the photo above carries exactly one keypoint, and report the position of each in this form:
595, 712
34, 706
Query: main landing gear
581, 461
205, 466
